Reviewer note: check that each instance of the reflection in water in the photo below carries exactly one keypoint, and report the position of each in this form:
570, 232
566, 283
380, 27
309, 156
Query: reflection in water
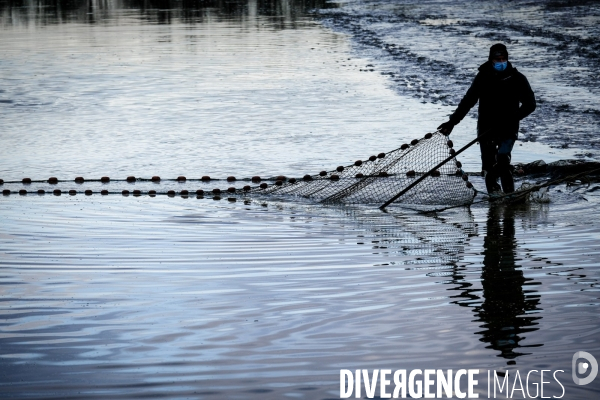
273, 297
506, 304
21, 12
117, 297
507, 309
430, 242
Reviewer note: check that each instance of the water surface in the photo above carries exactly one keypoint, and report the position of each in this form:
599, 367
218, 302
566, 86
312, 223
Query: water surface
127, 297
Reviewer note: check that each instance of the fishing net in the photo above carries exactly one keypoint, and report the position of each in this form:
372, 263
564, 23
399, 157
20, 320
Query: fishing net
416, 171
424, 174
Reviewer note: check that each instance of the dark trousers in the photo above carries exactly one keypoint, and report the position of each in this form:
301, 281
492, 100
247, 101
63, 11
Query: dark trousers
495, 160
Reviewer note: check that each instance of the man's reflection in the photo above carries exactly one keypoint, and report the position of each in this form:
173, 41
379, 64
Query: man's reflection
505, 307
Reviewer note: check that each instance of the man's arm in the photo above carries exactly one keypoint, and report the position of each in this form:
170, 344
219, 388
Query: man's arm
527, 99
467, 102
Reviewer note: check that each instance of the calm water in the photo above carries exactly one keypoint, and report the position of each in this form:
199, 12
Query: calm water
213, 91
114, 297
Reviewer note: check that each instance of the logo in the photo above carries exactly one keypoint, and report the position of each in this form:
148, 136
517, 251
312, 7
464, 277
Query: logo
582, 367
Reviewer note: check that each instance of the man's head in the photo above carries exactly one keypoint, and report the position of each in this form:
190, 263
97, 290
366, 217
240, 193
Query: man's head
498, 53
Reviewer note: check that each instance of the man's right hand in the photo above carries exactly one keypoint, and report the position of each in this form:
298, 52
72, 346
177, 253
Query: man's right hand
446, 127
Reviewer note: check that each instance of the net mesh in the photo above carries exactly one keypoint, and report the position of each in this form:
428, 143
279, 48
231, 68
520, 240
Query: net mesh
381, 177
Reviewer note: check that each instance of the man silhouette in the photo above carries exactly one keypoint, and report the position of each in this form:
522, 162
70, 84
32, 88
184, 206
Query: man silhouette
505, 98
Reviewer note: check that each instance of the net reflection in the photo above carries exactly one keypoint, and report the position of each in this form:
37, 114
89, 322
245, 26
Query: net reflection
417, 241
507, 304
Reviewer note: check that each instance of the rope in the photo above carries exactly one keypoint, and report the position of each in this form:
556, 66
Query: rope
370, 181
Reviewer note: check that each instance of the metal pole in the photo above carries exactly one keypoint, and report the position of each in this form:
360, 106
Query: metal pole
415, 183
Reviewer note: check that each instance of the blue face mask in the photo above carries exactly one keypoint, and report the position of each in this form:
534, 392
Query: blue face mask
500, 66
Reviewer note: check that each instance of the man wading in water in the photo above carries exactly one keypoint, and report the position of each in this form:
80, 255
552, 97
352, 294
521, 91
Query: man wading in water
505, 98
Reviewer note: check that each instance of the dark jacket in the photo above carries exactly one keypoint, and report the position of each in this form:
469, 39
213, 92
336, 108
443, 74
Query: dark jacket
504, 98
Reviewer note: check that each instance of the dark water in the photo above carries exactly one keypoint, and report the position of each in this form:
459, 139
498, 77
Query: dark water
128, 297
